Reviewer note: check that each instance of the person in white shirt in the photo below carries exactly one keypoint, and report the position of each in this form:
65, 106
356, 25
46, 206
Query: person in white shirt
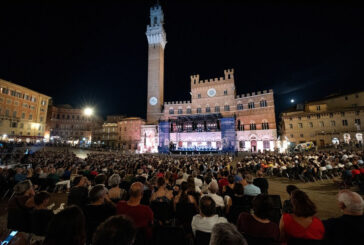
198, 182
207, 218
212, 190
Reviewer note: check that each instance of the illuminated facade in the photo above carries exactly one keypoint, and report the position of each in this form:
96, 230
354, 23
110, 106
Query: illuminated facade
332, 120
22, 112
129, 133
70, 124
215, 119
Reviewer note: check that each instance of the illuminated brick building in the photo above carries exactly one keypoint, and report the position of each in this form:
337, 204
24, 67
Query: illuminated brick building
22, 112
216, 119
67, 123
129, 132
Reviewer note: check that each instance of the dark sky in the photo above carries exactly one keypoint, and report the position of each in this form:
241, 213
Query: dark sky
80, 52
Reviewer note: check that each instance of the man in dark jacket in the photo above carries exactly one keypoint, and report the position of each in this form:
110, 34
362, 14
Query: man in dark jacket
348, 228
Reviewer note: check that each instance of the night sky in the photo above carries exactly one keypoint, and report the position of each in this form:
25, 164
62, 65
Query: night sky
83, 53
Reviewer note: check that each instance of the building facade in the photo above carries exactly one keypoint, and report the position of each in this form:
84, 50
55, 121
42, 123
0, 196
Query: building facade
214, 119
198, 122
23, 112
107, 135
70, 124
129, 133
332, 120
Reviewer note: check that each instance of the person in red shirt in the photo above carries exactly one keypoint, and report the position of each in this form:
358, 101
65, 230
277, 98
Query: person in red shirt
301, 224
223, 181
355, 171
141, 215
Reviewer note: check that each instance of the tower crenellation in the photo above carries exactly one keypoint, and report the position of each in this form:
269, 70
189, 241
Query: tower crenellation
196, 82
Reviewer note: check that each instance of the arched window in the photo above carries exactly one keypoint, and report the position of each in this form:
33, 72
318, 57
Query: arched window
253, 126
239, 106
251, 105
265, 125
263, 103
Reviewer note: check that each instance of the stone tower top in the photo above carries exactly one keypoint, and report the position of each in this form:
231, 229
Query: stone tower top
155, 31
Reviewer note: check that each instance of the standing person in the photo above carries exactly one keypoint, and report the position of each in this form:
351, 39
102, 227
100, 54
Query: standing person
141, 215
301, 224
347, 228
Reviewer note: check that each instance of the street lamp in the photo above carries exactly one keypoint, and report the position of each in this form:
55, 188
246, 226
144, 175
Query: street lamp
88, 111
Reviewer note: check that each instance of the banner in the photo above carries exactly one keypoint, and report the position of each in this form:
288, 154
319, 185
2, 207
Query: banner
228, 135
163, 146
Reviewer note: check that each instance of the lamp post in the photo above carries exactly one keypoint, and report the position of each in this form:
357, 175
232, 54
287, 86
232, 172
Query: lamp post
89, 112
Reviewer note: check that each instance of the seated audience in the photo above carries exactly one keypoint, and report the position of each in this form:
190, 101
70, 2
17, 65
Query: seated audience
186, 207
67, 227
301, 224
249, 188
99, 209
141, 215
116, 194
213, 188
20, 206
115, 230
287, 205
79, 193
348, 228
162, 194
261, 182
226, 234
41, 215
258, 225
207, 218
228, 189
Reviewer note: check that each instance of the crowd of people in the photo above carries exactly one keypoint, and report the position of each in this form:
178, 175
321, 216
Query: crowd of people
115, 198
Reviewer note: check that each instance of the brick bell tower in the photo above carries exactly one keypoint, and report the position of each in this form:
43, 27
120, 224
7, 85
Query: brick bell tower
157, 41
